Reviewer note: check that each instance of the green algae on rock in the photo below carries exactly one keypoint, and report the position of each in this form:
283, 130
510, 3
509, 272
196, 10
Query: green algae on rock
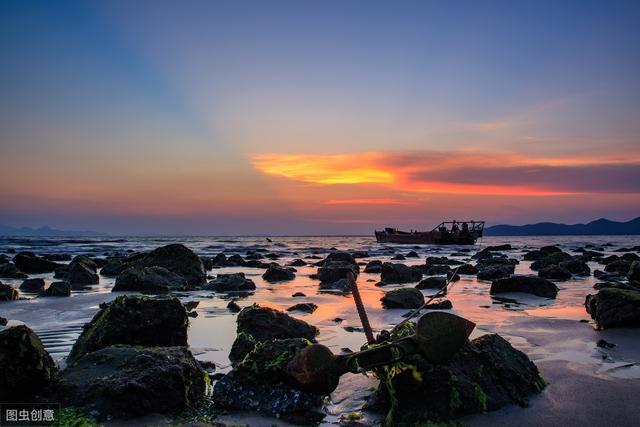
25, 366
136, 320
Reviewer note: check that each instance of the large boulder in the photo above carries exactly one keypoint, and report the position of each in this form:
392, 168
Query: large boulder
554, 272
374, 266
614, 308
25, 366
576, 266
230, 283
634, 272
336, 266
264, 323
403, 298
134, 321
178, 259
58, 289
343, 286
113, 267
435, 282
621, 266
29, 263
125, 381
150, 280
485, 375
467, 269
496, 272
554, 258
277, 273
32, 285
261, 375
399, 273
9, 270
258, 324
82, 271
8, 292
527, 284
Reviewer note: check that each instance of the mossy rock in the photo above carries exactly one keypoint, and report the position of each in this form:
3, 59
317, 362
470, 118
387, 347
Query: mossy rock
485, 375
137, 320
614, 308
125, 381
25, 366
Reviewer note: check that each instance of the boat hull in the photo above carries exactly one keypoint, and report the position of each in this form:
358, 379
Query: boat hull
425, 238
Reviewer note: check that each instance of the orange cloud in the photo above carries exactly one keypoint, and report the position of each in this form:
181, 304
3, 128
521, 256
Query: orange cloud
366, 202
460, 172
326, 169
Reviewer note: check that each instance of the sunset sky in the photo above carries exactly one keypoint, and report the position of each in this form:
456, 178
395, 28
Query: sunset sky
331, 117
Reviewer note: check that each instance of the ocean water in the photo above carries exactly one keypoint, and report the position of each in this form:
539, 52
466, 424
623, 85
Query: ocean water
547, 330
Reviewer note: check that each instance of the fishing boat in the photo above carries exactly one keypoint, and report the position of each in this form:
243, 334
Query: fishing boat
445, 233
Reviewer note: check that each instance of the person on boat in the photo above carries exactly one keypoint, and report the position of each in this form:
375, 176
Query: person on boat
455, 227
465, 227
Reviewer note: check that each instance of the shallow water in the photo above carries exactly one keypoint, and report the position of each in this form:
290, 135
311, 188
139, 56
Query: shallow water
547, 330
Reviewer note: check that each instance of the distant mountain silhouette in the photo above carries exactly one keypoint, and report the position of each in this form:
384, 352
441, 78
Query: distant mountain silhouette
6, 230
600, 226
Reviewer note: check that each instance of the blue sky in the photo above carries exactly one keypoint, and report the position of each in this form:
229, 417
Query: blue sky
157, 116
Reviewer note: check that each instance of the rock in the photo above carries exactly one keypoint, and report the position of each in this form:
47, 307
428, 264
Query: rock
82, 271
551, 259
526, 284
236, 260
604, 344
607, 276
124, 381
306, 307
434, 270
219, 260
452, 277
242, 345
135, 320
264, 323
57, 257
485, 375
230, 283
8, 293
261, 375
634, 272
298, 294
3, 321
495, 262
398, 257
467, 269
10, 271
297, 263
618, 285
576, 266
342, 285
149, 280
277, 273
32, 285
620, 266
403, 298
412, 254
178, 259
432, 283
233, 307
399, 273
58, 289
26, 368
29, 263
374, 266
554, 272
614, 308
336, 266
496, 272
441, 305
207, 263
630, 257
113, 267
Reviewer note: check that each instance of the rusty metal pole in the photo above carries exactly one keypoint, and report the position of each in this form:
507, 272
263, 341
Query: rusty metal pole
368, 332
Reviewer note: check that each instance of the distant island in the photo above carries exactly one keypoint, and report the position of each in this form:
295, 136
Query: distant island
600, 226
6, 230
